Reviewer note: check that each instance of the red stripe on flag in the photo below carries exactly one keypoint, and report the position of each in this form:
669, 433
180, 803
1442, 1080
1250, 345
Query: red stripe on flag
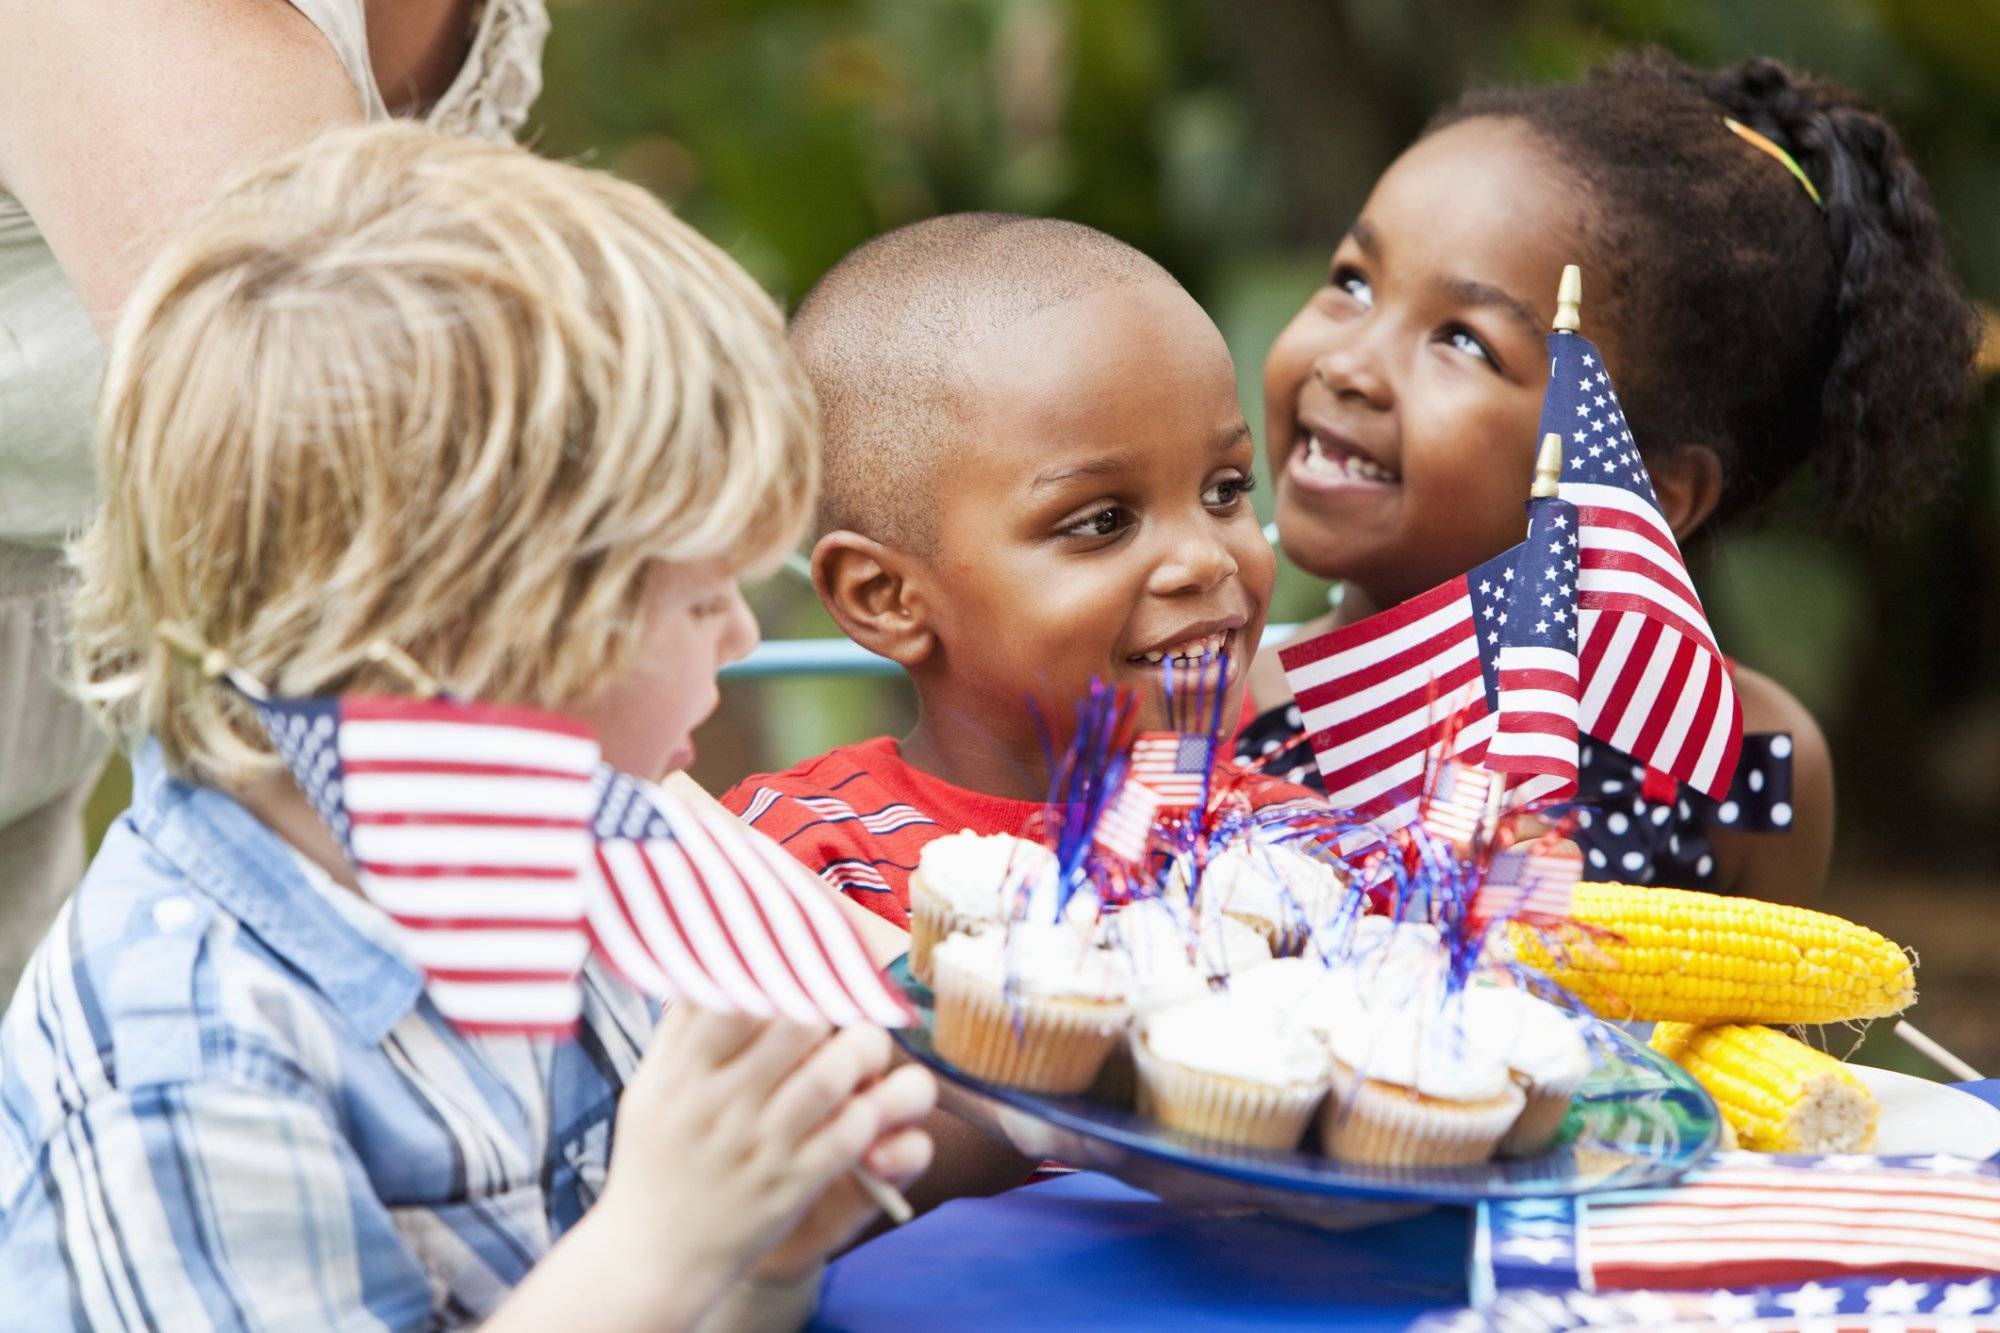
1374, 673
434, 768
1536, 678
1416, 743
1664, 700
464, 819
787, 891
1426, 698
1605, 516
452, 924
499, 975
1374, 627
1631, 675
381, 708
1626, 603
390, 870
1700, 727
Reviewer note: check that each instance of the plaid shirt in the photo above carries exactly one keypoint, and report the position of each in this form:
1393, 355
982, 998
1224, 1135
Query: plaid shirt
224, 1102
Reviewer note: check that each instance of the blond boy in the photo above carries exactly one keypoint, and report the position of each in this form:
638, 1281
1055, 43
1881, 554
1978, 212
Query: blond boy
516, 420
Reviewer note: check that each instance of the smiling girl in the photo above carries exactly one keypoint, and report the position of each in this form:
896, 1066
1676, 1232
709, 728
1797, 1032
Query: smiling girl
1763, 306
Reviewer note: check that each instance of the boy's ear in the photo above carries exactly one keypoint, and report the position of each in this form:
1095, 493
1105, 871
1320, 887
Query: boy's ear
1688, 480
867, 588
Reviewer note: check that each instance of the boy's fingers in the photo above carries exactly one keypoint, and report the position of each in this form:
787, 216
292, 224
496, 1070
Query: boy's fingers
901, 1158
778, 1050
838, 1143
711, 1037
906, 1096
824, 1083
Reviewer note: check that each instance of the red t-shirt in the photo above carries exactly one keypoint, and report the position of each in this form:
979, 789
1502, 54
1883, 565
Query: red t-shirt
859, 816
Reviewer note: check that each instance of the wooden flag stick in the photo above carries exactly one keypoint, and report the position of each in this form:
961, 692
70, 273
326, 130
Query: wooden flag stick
886, 1196
1945, 1059
1569, 301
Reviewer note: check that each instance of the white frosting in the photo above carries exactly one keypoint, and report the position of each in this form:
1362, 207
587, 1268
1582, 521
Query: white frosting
990, 876
1157, 934
1219, 1034
1534, 1037
1045, 961
1273, 883
1403, 1028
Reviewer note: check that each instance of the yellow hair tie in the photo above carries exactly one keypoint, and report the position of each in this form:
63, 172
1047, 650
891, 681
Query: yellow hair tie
1763, 144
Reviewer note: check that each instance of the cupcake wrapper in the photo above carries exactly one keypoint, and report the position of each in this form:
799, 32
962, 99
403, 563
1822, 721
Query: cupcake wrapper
1059, 1047
1216, 1106
931, 921
1541, 1118
1384, 1125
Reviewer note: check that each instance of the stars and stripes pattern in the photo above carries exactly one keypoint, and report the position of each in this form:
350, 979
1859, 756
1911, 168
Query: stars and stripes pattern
1388, 699
1535, 695
1753, 1219
1455, 806
1848, 1305
1527, 881
467, 824
1126, 827
690, 904
1175, 765
505, 851
1655, 684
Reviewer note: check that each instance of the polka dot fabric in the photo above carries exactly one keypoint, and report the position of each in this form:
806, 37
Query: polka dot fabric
1641, 840
1625, 834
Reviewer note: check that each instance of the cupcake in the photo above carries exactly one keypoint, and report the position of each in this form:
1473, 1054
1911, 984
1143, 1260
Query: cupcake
1410, 1089
1210, 1068
1162, 943
964, 881
1545, 1053
1034, 1006
1276, 890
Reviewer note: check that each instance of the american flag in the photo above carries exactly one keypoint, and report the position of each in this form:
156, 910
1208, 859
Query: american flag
1455, 806
1387, 699
1535, 733
467, 824
1753, 1219
688, 903
1175, 765
1523, 881
1654, 683
1126, 826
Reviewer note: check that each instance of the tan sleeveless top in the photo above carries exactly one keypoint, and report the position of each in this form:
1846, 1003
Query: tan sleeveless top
50, 356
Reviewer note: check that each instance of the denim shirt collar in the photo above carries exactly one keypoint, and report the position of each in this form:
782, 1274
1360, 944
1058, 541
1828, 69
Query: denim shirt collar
228, 854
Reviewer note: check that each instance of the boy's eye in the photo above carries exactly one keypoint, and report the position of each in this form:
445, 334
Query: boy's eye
1349, 280
1464, 340
1106, 522
1225, 493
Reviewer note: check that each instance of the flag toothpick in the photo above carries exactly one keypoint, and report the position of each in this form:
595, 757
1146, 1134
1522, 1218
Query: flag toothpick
421, 682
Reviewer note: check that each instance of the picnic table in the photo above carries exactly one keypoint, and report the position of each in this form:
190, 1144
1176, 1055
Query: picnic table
1084, 1251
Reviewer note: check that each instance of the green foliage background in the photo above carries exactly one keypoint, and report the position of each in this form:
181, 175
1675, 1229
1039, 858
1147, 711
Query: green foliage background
1234, 142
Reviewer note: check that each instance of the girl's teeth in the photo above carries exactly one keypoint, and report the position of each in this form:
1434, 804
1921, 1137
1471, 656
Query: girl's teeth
1190, 654
1328, 462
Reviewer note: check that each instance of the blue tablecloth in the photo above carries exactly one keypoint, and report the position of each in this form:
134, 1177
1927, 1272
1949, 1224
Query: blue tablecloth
1085, 1252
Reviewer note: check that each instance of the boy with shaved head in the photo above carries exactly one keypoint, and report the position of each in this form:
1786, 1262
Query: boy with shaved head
1036, 473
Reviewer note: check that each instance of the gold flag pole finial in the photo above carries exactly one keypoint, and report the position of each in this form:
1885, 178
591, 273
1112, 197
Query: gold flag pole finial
383, 653
1569, 301
1548, 468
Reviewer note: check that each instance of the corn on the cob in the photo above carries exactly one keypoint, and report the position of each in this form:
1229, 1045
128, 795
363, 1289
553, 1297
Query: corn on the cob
1679, 955
1778, 1094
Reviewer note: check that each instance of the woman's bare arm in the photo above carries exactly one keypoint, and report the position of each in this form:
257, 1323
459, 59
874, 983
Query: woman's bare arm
118, 117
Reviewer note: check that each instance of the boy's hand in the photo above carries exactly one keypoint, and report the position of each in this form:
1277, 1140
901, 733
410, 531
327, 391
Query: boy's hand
736, 1132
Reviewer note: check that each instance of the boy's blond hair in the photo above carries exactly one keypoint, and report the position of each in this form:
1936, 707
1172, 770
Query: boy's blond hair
444, 394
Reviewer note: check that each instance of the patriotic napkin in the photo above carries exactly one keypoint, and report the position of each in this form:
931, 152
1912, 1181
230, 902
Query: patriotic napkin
506, 851
1755, 1219
1841, 1305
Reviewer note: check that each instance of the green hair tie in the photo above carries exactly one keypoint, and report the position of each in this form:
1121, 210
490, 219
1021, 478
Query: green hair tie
1763, 144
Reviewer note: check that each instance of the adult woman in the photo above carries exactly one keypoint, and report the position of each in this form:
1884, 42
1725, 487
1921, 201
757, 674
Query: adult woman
115, 120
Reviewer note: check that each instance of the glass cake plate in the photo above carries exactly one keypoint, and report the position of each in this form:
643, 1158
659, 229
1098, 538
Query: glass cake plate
1638, 1120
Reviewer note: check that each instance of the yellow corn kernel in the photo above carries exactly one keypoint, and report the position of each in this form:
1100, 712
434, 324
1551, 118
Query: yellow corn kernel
1637, 952
1778, 1094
